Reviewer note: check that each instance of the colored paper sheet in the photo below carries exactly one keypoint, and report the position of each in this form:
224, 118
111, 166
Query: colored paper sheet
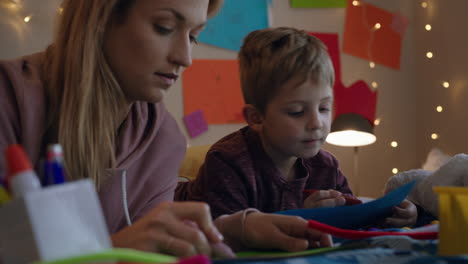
382, 46
195, 123
357, 98
236, 19
332, 43
213, 86
399, 23
356, 216
318, 3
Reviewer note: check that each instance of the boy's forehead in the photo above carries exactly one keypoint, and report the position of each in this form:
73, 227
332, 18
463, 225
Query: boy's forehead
306, 88
298, 82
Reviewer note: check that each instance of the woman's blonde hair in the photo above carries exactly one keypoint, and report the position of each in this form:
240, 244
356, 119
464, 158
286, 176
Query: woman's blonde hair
84, 96
270, 57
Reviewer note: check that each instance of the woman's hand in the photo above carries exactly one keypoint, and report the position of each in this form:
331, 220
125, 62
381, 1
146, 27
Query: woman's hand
290, 233
324, 198
404, 214
176, 228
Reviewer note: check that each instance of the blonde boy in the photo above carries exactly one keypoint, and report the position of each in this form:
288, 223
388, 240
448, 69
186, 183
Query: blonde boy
287, 82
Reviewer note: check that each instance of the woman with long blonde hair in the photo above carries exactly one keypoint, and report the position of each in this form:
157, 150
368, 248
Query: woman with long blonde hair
98, 90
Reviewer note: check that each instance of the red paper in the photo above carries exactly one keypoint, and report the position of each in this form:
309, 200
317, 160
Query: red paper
382, 46
357, 234
357, 99
213, 86
331, 41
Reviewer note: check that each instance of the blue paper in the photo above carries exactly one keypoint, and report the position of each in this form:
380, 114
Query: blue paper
355, 216
236, 19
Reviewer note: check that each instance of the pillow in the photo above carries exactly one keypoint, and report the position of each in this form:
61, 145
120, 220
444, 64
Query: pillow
193, 159
435, 159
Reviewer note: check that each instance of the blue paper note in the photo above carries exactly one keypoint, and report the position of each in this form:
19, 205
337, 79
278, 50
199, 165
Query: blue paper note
236, 19
355, 216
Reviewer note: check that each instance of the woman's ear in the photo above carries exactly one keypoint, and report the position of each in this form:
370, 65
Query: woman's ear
253, 117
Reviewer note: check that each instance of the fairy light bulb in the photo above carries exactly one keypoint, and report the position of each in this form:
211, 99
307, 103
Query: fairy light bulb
375, 85
394, 170
394, 144
424, 4
446, 84
377, 26
372, 64
429, 55
27, 19
428, 27
60, 10
439, 109
434, 136
356, 3
377, 122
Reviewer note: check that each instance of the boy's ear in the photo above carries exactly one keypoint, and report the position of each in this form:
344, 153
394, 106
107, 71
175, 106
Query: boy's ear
253, 117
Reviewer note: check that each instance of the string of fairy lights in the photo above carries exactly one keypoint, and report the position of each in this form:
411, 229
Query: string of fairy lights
17, 7
425, 4
430, 55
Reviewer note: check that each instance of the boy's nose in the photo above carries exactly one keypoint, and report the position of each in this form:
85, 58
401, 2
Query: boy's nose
314, 122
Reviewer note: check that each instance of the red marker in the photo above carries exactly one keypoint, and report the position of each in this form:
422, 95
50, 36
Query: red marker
350, 200
21, 178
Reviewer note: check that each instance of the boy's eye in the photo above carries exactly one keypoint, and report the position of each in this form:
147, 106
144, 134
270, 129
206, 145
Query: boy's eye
162, 30
295, 113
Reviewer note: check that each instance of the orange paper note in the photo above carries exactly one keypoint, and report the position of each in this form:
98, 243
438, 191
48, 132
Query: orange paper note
362, 40
213, 86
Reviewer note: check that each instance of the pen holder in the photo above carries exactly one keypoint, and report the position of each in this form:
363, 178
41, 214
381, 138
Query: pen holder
453, 216
55, 222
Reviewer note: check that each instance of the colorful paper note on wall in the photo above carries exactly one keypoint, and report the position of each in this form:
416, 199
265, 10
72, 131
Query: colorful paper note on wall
318, 3
195, 123
333, 46
382, 46
357, 98
399, 23
213, 86
236, 19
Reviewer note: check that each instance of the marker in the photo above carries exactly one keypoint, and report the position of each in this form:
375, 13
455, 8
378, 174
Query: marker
21, 178
53, 166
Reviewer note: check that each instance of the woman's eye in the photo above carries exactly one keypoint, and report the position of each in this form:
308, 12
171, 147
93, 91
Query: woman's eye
324, 109
193, 39
162, 30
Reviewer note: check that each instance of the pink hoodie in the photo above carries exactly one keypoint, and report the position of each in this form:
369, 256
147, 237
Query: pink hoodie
150, 146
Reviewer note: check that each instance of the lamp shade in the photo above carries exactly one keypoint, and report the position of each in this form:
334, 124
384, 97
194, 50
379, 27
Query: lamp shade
351, 130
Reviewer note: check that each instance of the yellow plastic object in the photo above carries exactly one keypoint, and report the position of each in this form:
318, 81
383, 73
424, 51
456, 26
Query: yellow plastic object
453, 217
4, 196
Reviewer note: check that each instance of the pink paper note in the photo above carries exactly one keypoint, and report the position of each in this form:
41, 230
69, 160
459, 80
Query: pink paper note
195, 123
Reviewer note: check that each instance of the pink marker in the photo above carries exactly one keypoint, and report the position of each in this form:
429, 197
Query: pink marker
21, 178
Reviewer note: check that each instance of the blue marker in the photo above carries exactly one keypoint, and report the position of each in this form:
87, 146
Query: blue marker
57, 172
53, 166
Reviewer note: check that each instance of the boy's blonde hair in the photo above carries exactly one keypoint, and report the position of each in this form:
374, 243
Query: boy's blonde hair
84, 96
270, 57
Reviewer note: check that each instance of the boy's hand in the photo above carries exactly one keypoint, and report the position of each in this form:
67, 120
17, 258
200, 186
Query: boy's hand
404, 214
324, 198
